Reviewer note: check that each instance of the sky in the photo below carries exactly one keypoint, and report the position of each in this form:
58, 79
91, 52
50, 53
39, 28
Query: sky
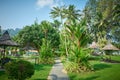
19, 13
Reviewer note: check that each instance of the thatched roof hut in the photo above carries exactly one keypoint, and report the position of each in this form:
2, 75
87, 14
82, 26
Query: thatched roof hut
94, 45
28, 48
5, 36
8, 43
5, 40
110, 47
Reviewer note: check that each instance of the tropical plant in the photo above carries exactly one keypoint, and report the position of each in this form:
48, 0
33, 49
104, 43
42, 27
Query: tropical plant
46, 53
56, 24
78, 38
57, 12
71, 14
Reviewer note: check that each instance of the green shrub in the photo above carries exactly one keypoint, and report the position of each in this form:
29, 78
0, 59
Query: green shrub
46, 53
78, 61
75, 67
19, 70
4, 60
71, 66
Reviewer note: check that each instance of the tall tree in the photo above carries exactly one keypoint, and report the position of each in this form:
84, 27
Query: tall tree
36, 32
57, 12
99, 17
90, 15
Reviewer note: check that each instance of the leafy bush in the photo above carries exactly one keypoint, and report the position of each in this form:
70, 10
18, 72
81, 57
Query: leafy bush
19, 70
78, 61
4, 60
71, 66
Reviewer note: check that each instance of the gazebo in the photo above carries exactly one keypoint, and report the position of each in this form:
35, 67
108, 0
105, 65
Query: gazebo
94, 45
109, 48
5, 41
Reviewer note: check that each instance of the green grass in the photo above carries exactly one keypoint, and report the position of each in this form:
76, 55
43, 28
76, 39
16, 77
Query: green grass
115, 58
102, 71
3, 76
41, 72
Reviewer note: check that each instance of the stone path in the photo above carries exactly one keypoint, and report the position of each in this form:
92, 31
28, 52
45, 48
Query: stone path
57, 72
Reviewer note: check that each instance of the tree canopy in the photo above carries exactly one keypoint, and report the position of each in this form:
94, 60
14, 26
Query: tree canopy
34, 34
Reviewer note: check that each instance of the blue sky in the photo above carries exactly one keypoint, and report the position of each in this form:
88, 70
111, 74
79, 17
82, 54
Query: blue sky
19, 13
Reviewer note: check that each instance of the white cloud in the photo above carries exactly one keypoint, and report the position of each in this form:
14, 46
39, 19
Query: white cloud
49, 3
43, 3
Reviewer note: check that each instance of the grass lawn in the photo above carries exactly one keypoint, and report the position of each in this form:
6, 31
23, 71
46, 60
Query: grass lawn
103, 71
115, 58
41, 72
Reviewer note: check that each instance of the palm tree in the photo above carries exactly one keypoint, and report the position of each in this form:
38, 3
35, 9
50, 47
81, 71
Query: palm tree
71, 13
56, 24
57, 12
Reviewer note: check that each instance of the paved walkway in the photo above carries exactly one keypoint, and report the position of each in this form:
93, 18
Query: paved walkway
57, 72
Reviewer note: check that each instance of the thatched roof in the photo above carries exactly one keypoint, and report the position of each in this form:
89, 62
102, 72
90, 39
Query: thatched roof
94, 45
5, 36
5, 40
1, 49
8, 43
28, 48
110, 47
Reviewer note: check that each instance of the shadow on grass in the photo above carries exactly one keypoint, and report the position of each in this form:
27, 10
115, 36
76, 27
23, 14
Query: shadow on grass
2, 73
97, 58
74, 77
89, 78
40, 79
100, 66
39, 67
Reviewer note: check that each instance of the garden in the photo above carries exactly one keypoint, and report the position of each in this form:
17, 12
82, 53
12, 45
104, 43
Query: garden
31, 54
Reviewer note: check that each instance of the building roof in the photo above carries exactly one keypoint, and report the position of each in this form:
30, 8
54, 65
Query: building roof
110, 47
5, 40
94, 45
5, 36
